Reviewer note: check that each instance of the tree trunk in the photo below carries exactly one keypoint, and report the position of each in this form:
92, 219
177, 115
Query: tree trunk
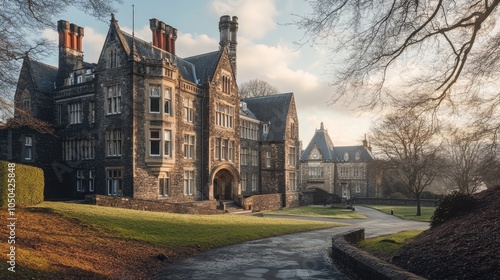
419, 212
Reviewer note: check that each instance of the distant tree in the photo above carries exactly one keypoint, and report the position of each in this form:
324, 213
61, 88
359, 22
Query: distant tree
21, 26
489, 168
443, 51
465, 154
257, 87
408, 142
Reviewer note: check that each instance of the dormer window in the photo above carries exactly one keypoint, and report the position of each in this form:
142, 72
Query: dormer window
346, 156
265, 128
358, 155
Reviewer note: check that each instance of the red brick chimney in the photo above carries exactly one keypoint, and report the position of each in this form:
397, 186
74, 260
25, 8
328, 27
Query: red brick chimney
70, 35
164, 35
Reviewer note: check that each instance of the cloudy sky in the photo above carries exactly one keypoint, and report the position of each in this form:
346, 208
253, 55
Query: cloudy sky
267, 50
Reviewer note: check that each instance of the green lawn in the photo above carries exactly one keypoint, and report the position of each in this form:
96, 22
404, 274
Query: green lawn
385, 246
172, 230
318, 211
406, 212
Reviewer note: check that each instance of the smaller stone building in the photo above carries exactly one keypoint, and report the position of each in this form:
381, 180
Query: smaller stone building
343, 171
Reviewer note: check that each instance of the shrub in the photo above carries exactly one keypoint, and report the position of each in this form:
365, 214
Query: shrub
28, 182
451, 206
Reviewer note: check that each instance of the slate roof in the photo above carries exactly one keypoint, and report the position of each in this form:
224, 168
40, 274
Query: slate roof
194, 69
273, 109
43, 75
323, 142
329, 152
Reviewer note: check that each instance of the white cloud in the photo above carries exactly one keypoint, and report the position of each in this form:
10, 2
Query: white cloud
255, 18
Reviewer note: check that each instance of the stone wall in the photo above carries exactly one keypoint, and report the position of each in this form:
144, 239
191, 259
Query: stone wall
201, 207
262, 202
393, 201
360, 264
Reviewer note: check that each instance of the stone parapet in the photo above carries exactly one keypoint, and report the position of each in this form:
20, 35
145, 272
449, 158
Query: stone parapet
362, 265
198, 207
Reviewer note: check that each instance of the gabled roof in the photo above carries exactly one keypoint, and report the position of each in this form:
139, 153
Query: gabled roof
43, 75
206, 64
273, 109
324, 144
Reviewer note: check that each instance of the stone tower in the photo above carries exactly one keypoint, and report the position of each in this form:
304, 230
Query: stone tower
70, 49
228, 29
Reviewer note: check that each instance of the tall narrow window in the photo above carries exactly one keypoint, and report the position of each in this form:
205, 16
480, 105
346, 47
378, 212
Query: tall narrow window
75, 113
113, 99
167, 102
268, 159
244, 181
114, 182
293, 181
92, 112
167, 149
91, 180
217, 148
28, 147
224, 115
79, 180
189, 146
255, 158
114, 142
154, 99
188, 182
164, 185
188, 110
254, 182
224, 150
244, 155
292, 156
60, 114
231, 151
154, 143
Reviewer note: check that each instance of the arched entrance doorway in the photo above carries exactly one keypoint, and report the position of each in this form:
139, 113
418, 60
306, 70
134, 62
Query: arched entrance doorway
224, 183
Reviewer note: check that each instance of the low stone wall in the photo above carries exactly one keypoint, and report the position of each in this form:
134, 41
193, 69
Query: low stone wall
262, 202
393, 201
198, 207
360, 264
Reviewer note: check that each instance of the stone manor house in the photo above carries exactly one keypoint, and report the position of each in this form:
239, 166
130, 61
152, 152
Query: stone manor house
147, 124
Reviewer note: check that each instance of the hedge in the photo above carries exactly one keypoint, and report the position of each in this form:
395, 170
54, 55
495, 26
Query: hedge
28, 184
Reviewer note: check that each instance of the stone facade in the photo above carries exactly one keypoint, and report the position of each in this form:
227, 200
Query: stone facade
343, 171
146, 124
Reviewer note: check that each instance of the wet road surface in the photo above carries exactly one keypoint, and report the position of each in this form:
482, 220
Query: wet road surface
293, 256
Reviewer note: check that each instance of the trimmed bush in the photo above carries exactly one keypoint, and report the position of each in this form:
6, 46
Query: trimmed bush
28, 183
451, 206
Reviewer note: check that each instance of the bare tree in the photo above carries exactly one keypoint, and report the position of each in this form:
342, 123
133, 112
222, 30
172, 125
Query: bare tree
257, 87
410, 52
465, 154
21, 23
409, 143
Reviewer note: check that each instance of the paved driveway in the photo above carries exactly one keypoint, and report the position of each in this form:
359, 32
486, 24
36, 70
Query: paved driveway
294, 256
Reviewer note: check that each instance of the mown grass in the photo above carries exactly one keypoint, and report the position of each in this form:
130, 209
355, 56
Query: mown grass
319, 211
386, 246
406, 212
177, 230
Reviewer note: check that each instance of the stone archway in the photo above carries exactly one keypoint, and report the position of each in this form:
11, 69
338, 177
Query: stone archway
225, 183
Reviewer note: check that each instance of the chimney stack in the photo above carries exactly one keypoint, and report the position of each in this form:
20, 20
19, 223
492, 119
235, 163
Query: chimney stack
228, 30
164, 35
70, 35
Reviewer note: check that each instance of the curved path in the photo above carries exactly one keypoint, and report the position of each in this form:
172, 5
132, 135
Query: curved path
293, 256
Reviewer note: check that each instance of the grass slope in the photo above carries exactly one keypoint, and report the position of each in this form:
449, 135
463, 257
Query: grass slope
318, 211
57, 240
167, 229
406, 212
384, 247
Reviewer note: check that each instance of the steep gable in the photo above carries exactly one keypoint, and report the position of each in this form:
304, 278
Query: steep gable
322, 143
